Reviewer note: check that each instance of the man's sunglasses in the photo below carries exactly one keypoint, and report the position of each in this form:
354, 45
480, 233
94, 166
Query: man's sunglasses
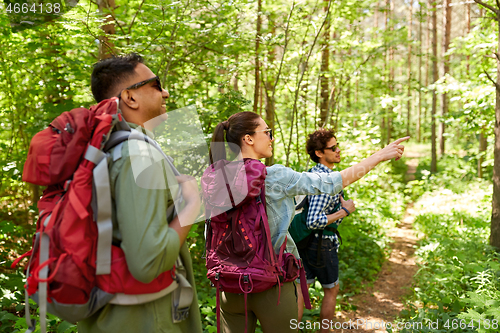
268, 131
332, 148
143, 83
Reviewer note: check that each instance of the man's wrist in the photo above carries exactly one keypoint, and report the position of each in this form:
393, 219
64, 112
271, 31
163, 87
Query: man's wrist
346, 211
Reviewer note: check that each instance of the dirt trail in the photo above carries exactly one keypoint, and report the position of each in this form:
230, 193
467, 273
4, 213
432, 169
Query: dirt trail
383, 302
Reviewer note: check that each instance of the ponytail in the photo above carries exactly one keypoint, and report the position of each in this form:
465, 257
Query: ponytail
232, 131
217, 146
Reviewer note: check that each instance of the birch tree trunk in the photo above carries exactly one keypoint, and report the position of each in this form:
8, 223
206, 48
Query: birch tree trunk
257, 60
408, 115
324, 76
419, 110
446, 70
434, 95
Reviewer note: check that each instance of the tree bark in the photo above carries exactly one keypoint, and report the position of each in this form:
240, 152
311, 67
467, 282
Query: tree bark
495, 213
419, 110
434, 95
324, 74
235, 77
467, 31
446, 70
483, 144
106, 47
257, 60
408, 115
270, 88
391, 74
427, 57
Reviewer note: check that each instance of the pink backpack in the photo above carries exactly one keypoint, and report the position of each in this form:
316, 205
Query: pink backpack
240, 256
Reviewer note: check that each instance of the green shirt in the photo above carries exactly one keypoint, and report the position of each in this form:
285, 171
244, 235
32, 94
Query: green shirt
140, 196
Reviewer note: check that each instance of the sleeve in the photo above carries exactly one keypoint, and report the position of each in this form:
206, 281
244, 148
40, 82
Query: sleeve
151, 247
316, 216
285, 182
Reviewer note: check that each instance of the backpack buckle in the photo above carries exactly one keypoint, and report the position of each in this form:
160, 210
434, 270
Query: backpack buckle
66, 185
248, 283
217, 275
69, 129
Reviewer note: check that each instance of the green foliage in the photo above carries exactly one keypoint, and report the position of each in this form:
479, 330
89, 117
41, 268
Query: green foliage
205, 54
458, 277
456, 172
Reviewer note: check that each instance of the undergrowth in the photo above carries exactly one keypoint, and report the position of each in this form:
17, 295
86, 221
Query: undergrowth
457, 286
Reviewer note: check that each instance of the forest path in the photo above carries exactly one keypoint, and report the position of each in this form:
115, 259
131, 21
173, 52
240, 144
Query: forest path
382, 302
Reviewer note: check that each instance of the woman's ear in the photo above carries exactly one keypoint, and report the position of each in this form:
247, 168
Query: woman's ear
248, 139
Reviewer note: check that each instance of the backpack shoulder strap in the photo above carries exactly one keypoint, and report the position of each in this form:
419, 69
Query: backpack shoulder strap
303, 203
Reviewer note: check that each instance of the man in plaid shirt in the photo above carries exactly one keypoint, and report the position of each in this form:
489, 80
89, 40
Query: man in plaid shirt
325, 214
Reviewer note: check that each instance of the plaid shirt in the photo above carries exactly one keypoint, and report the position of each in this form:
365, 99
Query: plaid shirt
282, 185
322, 205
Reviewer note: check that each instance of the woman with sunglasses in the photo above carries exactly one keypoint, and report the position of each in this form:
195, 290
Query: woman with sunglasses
248, 135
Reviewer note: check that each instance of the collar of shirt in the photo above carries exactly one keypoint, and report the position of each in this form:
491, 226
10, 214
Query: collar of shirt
321, 168
142, 129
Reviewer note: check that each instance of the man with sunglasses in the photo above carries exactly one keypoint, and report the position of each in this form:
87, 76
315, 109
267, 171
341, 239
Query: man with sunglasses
325, 213
152, 240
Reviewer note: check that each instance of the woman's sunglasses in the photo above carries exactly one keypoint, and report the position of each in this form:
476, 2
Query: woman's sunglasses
268, 131
143, 83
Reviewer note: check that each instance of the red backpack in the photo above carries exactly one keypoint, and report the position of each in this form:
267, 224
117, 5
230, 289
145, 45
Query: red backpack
74, 269
240, 257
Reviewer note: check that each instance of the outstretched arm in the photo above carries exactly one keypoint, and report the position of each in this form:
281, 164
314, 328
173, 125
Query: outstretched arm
393, 150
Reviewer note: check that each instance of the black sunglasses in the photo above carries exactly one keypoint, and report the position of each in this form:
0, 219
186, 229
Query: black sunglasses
268, 131
332, 148
143, 83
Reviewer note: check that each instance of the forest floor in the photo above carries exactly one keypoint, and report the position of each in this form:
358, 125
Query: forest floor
384, 299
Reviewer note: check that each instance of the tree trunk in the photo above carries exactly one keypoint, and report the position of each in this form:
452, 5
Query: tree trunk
235, 77
391, 74
446, 70
270, 111
324, 74
483, 143
348, 105
257, 60
270, 88
408, 114
434, 95
419, 110
467, 31
261, 98
387, 77
495, 213
106, 47
427, 58
356, 94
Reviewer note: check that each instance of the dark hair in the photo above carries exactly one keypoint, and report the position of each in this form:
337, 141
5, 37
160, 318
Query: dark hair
234, 128
109, 73
318, 141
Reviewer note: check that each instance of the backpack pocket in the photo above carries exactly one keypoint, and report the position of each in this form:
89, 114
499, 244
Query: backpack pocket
291, 267
235, 246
